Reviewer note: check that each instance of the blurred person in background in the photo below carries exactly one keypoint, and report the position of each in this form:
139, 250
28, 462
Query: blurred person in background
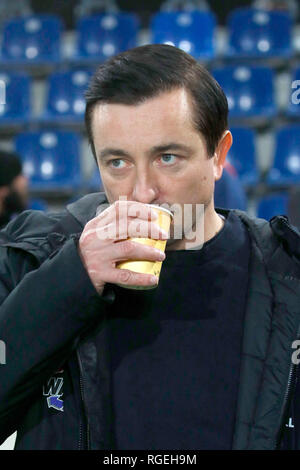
13, 187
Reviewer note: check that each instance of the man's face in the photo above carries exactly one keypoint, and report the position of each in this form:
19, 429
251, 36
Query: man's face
151, 153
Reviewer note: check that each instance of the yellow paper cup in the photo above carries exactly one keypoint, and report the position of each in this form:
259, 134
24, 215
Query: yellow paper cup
149, 267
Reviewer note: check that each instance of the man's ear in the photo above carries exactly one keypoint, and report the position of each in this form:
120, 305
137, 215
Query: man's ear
221, 153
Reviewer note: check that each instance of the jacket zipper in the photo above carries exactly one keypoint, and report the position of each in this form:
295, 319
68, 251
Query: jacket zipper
80, 430
81, 382
289, 389
291, 378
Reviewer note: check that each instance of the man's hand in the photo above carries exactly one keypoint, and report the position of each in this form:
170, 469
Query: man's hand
104, 242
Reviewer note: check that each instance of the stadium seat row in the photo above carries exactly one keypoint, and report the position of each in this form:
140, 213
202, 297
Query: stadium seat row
51, 159
252, 34
249, 90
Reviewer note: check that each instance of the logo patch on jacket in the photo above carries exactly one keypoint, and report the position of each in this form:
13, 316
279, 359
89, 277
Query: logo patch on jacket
52, 390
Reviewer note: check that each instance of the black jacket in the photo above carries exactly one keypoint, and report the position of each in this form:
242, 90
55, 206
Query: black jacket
51, 391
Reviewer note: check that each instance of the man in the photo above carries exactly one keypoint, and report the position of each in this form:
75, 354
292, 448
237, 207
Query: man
13, 187
202, 360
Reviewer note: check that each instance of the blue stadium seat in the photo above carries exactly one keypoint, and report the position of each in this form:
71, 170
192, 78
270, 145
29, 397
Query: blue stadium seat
293, 109
50, 159
229, 192
15, 98
34, 38
257, 33
104, 35
249, 90
192, 31
66, 95
242, 155
273, 204
286, 166
38, 205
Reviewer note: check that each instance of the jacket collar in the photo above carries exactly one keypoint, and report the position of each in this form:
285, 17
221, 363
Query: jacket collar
85, 208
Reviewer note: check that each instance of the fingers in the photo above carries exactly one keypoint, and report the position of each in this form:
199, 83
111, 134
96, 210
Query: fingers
131, 228
105, 241
123, 209
130, 278
130, 250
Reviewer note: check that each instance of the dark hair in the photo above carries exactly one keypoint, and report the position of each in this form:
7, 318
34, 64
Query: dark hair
146, 71
10, 167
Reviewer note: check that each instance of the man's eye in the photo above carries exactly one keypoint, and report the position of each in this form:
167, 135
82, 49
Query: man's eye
168, 158
116, 163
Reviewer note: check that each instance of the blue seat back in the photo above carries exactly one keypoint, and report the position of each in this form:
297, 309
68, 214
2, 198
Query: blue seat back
242, 154
192, 31
104, 35
66, 93
229, 192
249, 90
38, 205
17, 95
286, 165
50, 157
262, 33
32, 38
273, 204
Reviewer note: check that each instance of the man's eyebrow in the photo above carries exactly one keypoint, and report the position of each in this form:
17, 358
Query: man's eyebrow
152, 151
169, 146
112, 151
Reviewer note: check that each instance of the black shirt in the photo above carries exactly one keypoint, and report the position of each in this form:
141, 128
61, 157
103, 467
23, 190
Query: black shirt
175, 350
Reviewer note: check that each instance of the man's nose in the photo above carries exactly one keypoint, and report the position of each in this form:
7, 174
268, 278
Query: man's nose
145, 189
